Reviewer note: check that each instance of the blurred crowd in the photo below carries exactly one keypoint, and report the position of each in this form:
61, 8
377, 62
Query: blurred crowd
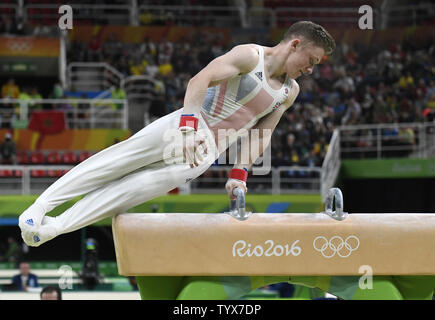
358, 84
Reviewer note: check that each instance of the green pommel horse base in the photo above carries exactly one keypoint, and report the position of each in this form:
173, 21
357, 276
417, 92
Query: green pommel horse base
227, 255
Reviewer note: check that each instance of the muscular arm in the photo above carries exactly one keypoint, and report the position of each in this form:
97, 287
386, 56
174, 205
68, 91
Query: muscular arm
241, 59
265, 127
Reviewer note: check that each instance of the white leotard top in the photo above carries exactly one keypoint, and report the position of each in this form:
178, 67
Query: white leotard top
241, 101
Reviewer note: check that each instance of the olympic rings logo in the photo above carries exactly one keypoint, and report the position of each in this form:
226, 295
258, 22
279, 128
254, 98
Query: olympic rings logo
336, 245
19, 45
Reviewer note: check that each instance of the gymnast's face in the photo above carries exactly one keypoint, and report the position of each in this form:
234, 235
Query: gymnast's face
302, 58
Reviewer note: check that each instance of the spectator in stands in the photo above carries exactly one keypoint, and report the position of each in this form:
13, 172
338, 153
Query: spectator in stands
146, 18
173, 104
13, 252
360, 84
25, 279
7, 114
8, 150
57, 91
151, 69
24, 95
294, 158
83, 114
379, 110
406, 110
133, 283
95, 49
51, 293
137, 67
10, 90
165, 67
406, 81
430, 90
35, 95
352, 113
407, 139
118, 93
285, 290
172, 85
165, 50
429, 110
112, 49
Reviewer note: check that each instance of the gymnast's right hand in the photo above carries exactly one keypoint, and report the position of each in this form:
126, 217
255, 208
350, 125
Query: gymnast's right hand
194, 145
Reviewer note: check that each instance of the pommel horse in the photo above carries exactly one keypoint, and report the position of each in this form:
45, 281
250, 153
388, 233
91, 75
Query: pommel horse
331, 250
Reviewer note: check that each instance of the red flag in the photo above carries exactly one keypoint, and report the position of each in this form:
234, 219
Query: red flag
47, 122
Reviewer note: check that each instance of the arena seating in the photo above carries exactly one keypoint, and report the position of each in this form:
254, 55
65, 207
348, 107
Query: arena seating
69, 157
54, 157
23, 157
40, 157
6, 173
37, 158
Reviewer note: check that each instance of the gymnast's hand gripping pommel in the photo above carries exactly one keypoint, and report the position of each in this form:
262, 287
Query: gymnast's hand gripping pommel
237, 206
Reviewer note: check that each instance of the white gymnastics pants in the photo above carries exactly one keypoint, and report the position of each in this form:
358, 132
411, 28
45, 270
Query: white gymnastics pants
117, 178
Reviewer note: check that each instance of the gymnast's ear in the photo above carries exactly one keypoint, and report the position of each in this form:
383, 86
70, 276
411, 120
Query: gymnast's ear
294, 44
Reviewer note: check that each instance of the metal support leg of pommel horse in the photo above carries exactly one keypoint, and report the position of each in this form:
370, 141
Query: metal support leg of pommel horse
306, 247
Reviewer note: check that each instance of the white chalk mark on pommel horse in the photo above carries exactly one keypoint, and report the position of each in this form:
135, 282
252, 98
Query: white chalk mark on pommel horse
241, 243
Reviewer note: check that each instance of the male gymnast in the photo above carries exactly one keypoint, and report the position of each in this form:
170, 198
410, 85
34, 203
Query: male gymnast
249, 87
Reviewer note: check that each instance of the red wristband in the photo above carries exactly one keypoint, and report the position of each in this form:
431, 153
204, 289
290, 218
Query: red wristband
187, 120
239, 174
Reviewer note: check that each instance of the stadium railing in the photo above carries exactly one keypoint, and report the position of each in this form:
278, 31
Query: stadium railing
34, 179
219, 16
140, 87
261, 17
280, 180
141, 92
28, 179
79, 113
410, 15
92, 76
347, 15
414, 140
118, 14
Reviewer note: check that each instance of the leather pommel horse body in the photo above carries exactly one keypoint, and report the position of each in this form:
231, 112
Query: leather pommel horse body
239, 243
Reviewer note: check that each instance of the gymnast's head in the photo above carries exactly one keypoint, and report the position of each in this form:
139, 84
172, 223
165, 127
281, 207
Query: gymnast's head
305, 44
